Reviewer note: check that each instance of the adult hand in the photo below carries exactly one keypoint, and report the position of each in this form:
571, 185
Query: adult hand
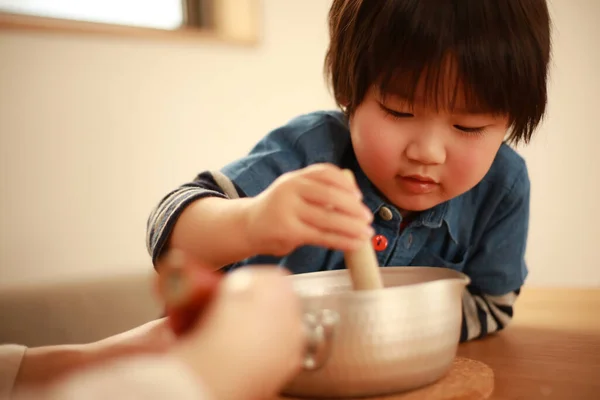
245, 340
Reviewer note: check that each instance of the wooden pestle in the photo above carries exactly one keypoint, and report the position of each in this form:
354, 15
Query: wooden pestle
362, 263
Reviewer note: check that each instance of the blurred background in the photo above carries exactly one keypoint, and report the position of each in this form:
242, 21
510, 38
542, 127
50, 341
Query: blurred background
95, 129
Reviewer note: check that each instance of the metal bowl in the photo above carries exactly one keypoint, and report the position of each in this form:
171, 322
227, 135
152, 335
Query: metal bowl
369, 343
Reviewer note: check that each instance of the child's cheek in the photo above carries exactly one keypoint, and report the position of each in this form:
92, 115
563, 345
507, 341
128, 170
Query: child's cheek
384, 155
468, 169
371, 142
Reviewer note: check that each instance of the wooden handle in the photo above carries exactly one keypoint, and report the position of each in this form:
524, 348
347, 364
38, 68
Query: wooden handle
362, 263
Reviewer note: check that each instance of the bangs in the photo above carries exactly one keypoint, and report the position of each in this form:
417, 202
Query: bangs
462, 55
438, 85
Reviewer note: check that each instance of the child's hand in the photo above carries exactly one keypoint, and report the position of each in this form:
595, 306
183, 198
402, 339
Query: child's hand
317, 205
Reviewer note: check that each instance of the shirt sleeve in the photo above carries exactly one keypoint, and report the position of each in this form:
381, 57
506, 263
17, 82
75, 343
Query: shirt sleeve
163, 217
144, 377
11, 356
498, 268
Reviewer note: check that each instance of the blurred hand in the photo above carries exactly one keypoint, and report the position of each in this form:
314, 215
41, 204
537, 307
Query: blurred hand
241, 334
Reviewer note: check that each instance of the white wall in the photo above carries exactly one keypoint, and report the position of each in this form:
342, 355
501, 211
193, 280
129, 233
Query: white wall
93, 130
564, 158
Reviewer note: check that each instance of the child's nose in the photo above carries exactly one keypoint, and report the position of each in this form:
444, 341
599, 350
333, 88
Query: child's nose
426, 148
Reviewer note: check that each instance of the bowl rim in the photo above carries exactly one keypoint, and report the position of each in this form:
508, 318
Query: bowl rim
453, 275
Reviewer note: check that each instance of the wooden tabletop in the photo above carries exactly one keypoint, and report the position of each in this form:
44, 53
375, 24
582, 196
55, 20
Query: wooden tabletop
550, 351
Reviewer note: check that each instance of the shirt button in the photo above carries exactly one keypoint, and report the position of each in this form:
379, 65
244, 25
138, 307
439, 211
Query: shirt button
380, 242
386, 214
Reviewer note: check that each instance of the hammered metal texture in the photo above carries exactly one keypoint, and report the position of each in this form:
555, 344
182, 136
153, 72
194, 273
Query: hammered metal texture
391, 340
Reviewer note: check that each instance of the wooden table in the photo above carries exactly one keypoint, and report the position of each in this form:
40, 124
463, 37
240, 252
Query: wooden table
550, 351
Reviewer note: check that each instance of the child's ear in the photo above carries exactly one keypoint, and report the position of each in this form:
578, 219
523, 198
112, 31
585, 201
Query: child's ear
343, 102
344, 106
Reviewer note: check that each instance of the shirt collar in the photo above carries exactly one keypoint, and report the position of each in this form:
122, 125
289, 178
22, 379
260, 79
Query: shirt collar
452, 217
448, 213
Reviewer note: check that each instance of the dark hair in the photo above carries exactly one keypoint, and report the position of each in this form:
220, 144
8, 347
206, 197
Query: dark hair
500, 51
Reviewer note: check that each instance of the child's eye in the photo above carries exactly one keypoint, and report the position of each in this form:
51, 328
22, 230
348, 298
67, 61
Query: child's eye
395, 114
471, 130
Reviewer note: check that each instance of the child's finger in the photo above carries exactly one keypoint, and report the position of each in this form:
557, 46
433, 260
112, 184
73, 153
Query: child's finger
316, 237
319, 193
333, 221
332, 175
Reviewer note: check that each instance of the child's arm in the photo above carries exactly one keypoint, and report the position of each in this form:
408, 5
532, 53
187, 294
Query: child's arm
208, 215
215, 222
177, 206
498, 269
214, 230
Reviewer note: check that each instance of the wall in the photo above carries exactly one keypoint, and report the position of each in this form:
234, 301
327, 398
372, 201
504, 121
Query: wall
563, 160
94, 130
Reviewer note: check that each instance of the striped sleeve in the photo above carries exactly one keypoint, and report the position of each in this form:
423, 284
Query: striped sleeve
163, 217
484, 314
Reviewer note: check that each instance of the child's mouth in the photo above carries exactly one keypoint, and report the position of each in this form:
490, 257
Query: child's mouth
417, 184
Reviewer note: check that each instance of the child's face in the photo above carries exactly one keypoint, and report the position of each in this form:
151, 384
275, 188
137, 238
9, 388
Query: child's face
419, 157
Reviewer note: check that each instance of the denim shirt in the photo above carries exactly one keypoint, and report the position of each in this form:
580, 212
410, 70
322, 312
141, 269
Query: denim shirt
482, 233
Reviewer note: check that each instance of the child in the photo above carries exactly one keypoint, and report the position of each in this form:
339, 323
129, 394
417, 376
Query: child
430, 93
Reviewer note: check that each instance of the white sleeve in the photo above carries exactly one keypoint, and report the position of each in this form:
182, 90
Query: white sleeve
143, 377
11, 356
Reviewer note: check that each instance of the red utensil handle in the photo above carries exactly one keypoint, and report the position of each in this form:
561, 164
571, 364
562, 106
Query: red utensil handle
187, 288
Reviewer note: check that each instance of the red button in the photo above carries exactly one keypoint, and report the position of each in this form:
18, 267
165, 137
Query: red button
380, 242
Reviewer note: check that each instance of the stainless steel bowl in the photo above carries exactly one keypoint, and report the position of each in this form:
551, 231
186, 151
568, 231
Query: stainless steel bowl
368, 343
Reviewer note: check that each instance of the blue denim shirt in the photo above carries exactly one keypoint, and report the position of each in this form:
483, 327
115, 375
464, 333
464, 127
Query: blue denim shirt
481, 233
